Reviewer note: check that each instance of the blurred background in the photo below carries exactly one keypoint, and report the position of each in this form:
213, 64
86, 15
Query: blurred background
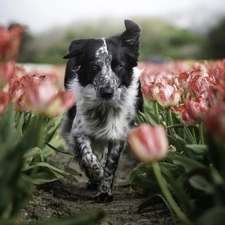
171, 29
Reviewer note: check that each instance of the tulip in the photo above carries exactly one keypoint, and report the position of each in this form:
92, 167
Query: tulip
4, 101
192, 111
167, 95
38, 94
7, 71
200, 83
10, 42
43, 97
147, 91
147, 143
215, 122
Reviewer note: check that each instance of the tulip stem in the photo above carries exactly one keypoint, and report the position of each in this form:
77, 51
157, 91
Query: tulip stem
201, 131
170, 122
193, 134
168, 196
157, 111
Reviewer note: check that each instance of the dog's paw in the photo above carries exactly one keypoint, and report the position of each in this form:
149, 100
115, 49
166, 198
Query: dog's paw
91, 166
91, 186
103, 197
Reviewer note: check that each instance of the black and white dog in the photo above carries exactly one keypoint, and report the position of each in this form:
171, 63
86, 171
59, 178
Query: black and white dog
102, 74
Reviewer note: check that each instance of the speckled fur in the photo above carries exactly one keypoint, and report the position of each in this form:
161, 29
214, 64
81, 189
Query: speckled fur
102, 74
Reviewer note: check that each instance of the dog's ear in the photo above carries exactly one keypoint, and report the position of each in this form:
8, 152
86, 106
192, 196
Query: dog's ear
130, 41
75, 49
132, 33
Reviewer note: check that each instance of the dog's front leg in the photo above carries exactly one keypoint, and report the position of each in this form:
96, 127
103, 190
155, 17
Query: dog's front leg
86, 159
104, 193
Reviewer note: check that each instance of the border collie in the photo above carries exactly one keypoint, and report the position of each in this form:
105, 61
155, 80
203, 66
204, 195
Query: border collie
102, 74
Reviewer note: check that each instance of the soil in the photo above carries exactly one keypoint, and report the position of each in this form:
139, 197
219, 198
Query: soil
62, 198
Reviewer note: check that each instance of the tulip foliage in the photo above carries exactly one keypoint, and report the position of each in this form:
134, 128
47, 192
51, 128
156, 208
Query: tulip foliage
30, 109
187, 99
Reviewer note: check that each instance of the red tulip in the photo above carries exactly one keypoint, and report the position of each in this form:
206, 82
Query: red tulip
147, 143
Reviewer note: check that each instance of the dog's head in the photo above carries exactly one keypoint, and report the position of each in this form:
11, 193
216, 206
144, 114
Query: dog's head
104, 66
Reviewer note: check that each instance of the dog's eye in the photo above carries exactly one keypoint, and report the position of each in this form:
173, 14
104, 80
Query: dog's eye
76, 68
95, 67
118, 67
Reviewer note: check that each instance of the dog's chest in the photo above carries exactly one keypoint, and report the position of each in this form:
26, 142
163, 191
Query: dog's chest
106, 123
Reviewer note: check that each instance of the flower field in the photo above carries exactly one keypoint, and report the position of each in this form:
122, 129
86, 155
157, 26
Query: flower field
188, 100
180, 141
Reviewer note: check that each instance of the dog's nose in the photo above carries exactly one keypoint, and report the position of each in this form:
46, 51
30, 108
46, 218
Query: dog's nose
106, 93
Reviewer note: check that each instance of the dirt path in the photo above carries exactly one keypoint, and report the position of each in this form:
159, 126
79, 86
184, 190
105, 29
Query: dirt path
63, 198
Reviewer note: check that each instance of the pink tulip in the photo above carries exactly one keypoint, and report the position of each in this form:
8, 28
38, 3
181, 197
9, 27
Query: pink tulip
4, 101
38, 94
7, 71
43, 97
10, 42
215, 122
192, 111
167, 95
147, 90
148, 144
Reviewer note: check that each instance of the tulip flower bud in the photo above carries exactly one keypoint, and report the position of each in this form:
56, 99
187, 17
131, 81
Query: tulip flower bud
10, 42
147, 143
167, 95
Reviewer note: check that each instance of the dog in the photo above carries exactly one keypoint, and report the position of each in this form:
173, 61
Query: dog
102, 74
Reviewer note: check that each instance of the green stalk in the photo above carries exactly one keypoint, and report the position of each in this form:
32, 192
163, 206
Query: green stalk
201, 132
189, 134
168, 196
193, 133
170, 123
156, 106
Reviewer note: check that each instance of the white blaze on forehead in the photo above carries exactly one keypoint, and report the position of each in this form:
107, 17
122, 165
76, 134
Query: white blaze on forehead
102, 51
104, 58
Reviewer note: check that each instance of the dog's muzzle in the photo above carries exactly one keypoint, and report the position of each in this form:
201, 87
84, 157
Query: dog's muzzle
106, 93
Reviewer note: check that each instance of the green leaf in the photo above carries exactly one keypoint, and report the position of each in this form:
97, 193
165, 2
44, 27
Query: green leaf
46, 172
45, 175
178, 142
150, 201
33, 155
186, 163
71, 171
213, 216
190, 138
6, 131
199, 182
216, 151
178, 190
58, 150
143, 180
198, 149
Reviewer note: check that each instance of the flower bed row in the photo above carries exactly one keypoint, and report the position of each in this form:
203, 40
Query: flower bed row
181, 140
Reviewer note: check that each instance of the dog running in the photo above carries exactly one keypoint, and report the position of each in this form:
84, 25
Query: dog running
102, 74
